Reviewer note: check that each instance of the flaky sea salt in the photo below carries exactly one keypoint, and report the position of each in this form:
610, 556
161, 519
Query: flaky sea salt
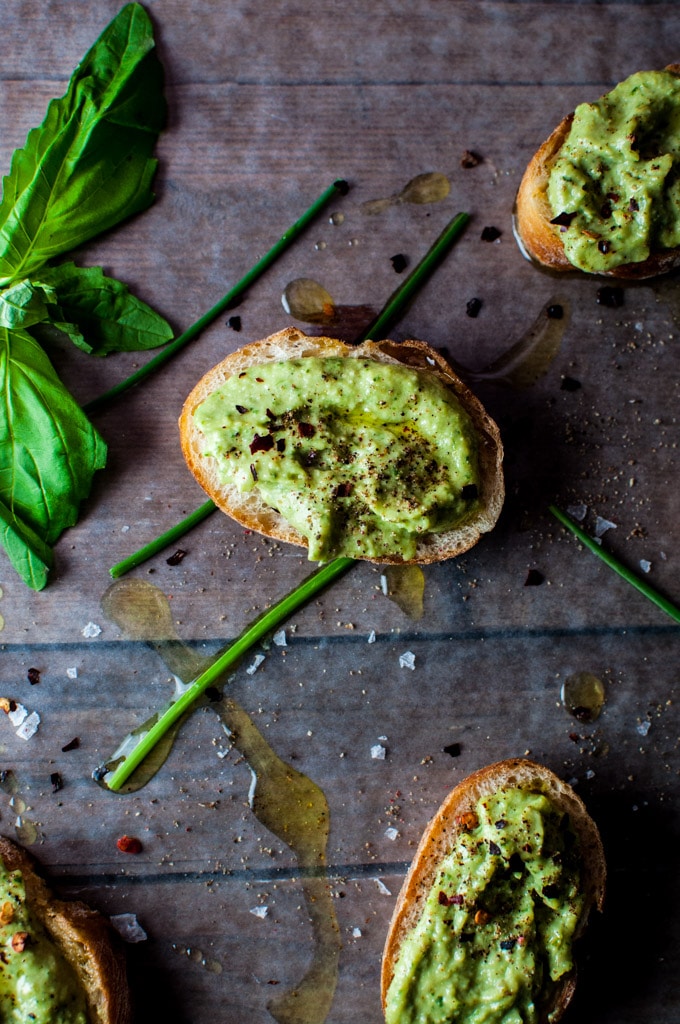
643, 727
260, 912
382, 888
371, 637
356, 933
18, 715
280, 638
255, 664
378, 752
391, 833
645, 565
29, 726
602, 525
91, 630
407, 660
577, 512
128, 927
72, 673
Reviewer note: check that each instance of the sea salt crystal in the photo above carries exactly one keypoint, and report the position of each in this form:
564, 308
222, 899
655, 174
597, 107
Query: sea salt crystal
72, 673
602, 525
128, 927
384, 585
371, 637
378, 752
577, 512
280, 638
91, 630
407, 660
382, 888
356, 933
391, 833
645, 565
260, 912
643, 727
17, 716
29, 726
255, 664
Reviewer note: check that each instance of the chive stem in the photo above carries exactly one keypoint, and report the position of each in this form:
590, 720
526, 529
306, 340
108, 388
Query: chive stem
338, 187
390, 312
627, 574
251, 634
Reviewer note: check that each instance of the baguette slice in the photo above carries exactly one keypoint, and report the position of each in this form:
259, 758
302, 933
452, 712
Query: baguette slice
541, 241
443, 831
85, 938
290, 343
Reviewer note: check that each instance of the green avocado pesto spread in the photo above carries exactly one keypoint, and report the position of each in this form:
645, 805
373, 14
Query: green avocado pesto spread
614, 189
37, 984
361, 457
496, 930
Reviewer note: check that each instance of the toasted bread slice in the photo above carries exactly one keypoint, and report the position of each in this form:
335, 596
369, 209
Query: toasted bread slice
444, 831
541, 241
84, 937
251, 511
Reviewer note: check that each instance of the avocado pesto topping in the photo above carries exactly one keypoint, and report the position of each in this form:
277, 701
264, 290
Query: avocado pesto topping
37, 984
361, 457
497, 926
614, 189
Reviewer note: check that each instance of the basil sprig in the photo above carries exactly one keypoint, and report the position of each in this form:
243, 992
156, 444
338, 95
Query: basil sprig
86, 168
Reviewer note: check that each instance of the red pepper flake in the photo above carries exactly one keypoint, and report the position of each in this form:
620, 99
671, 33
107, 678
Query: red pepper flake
234, 322
261, 443
129, 844
494, 849
450, 901
281, 444
343, 490
19, 941
33, 676
56, 781
470, 159
399, 262
176, 558
242, 409
490, 234
563, 220
467, 821
482, 916
71, 745
306, 429
453, 749
472, 307
534, 578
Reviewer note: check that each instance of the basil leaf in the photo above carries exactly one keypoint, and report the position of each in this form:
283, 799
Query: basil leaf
31, 558
89, 164
108, 316
23, 304
52, 450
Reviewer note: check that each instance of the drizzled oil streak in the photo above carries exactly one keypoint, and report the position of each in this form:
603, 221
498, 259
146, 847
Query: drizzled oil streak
284, 800
424, 188
405, 586
529, 358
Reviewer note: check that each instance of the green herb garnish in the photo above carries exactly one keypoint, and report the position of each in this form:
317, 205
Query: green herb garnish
85, 169
630, 577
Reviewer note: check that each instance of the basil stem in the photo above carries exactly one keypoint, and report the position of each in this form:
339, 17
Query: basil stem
338, 187
251, 634
390, 311
630, 577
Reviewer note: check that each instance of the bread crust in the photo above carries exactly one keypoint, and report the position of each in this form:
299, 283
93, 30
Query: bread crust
441, 835
542, 242
85, 937
291, 343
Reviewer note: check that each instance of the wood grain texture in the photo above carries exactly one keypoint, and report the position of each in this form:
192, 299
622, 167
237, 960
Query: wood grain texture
268, 105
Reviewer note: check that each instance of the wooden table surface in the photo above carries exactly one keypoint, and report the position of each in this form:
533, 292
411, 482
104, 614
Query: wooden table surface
268, 104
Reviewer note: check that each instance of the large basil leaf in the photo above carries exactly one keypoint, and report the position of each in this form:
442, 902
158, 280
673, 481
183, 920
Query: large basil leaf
31, 558
50, 454
89, 164
108, 317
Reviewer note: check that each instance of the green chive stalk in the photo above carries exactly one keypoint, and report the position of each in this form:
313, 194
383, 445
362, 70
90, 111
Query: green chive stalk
338, 187
630, 577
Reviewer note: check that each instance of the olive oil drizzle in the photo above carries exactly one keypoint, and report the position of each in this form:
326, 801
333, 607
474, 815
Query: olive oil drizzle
284, 800
530, 357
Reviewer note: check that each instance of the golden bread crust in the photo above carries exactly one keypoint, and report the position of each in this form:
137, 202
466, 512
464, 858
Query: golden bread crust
85, 937
541, 241
291, 343
443, 830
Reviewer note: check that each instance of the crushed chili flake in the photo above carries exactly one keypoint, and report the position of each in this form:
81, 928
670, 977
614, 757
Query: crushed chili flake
453, 749
482, 916
467, 821
261, 443
19, 941
343, 490
563, 219
306, 429
454, 900
6, 912
472, 307
33, 676
242, 409
494, 849
56, 782
490, 234
281, 444
399, 262
234, 322
129, 844
71, 745
176, 558
633, 206
470, 159
534, 578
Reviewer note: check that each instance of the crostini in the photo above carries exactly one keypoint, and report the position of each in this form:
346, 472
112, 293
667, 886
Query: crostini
502, 884
375, 451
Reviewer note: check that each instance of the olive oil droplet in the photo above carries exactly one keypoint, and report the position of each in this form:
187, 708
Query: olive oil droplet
406, 587
307, 300
583, 696
336, 219
529, 358
425, 188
